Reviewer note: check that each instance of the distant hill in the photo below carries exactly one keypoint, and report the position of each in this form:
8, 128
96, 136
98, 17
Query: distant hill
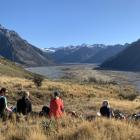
129, 59
96, 53
9, 68
16, 49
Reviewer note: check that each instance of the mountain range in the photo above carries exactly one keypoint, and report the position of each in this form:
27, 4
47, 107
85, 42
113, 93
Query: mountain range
118, 57
84, 53
16, 49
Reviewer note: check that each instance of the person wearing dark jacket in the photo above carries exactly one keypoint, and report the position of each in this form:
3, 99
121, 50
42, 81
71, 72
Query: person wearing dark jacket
24, 105
105, 109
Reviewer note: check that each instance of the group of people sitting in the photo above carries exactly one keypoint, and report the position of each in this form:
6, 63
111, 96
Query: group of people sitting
56, 108
24, 105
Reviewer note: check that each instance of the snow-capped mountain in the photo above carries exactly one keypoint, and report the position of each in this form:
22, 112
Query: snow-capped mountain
49, 50
83, 53
72, 47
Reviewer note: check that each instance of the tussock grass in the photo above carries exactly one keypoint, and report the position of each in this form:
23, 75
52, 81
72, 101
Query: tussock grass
85, 99
102, 129
71, 129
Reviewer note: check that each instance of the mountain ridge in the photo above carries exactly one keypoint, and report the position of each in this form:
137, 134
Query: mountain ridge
84, 53
16, 49
127, 60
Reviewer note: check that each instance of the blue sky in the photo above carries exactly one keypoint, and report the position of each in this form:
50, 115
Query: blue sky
54, 23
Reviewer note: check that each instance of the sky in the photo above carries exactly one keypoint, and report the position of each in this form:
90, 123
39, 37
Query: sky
55, 23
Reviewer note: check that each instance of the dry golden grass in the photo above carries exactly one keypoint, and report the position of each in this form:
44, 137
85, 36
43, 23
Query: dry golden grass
101, 129
85, 99
71, 129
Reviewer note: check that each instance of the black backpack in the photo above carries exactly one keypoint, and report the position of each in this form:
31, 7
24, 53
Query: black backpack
2, 104
46, 109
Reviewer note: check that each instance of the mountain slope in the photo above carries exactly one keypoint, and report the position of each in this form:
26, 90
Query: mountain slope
105, 54
129, 59
14, 48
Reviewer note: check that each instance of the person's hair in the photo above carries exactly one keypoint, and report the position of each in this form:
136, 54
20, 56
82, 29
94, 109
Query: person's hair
2, 90
25, 94
56, 94
106, 103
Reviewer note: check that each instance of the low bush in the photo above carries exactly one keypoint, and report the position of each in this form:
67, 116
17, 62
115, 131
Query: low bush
128, 96
38, 79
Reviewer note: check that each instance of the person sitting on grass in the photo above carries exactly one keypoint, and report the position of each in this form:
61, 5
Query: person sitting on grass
45, 111
24, 105
105, 110
3, 104
56, 106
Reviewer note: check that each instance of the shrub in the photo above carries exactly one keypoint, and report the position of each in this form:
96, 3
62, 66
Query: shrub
97, 81
128, 96
92, 79
91, 95
100, 81
38, 79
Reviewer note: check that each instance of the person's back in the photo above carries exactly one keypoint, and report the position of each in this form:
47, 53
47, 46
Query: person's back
24, 105
56, 107
105, 111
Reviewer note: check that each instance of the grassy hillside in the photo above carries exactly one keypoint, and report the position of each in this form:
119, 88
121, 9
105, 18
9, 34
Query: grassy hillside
85, 99
10, 69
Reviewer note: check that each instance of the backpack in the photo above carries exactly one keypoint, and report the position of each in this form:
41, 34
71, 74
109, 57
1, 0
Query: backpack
46, 110
2, 104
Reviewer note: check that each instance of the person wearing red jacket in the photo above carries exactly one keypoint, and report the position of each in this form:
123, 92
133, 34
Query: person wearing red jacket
56, 106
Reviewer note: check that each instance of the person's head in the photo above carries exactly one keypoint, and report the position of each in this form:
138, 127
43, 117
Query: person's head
105, 103
3, 91
25, 94
56, 94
